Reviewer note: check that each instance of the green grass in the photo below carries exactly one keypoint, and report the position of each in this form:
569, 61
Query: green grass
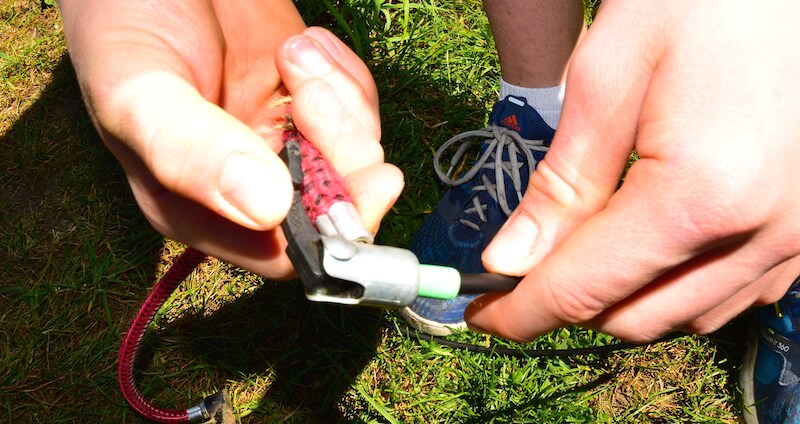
77, 259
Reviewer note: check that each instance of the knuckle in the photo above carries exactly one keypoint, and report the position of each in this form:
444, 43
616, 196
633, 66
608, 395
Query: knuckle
632, 326
165, 155
517, 336
768, 297
713, 217
639, 335
569, 195
583, 65
704, 326
355, 151
573, 307
114, 98
547, 181
720, 207
641, 331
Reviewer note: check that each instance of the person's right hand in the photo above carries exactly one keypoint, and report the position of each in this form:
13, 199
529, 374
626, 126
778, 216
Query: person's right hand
184, 94
705, 225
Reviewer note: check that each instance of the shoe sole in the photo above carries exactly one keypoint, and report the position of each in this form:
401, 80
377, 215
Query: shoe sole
428, 326
746, 379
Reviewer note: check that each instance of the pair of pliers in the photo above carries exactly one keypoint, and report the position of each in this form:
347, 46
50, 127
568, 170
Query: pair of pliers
335, 257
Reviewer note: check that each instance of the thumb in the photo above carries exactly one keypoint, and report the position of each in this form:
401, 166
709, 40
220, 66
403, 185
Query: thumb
195, 149
606, 86
607, 83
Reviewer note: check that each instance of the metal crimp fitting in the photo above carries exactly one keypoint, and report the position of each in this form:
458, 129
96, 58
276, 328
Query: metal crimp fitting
386, 277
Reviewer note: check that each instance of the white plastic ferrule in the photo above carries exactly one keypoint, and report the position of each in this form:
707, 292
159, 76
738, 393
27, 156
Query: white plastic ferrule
343, 219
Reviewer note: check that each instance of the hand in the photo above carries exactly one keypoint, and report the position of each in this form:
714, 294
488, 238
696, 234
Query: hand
184, 95
706, 223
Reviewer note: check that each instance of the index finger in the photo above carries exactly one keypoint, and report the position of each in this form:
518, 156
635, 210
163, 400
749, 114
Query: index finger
334, 100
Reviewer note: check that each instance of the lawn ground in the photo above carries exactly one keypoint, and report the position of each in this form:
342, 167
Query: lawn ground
77, 259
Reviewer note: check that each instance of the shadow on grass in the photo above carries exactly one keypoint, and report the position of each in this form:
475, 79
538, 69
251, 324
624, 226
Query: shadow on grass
311, 352
731, 342
74, 251
78, 259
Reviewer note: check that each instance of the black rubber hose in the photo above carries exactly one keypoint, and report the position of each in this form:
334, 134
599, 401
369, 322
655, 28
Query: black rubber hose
486, 283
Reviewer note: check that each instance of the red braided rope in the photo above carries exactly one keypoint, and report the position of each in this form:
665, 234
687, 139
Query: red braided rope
180, 269
322, 187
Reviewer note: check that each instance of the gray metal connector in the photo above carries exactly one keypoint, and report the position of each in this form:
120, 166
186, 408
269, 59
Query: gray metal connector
343, 219
388, 276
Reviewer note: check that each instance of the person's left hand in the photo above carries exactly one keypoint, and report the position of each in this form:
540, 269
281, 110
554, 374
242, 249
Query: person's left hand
184, 93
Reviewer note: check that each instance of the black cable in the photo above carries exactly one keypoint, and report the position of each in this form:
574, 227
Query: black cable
409, 332
486, 283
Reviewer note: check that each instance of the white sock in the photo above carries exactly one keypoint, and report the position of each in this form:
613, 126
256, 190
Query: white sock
547, 101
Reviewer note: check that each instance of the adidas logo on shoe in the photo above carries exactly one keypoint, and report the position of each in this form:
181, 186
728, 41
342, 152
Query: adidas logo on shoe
510, 122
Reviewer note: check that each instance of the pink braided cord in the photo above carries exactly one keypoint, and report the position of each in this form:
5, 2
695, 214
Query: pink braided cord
322, 185
180, 269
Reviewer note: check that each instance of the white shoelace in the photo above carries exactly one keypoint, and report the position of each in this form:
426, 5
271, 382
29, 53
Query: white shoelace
498, 139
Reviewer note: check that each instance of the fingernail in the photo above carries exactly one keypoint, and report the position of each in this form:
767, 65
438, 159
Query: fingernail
470, 315
473, 316
512, 250
474, 327
248, 184
306, 54
327, 41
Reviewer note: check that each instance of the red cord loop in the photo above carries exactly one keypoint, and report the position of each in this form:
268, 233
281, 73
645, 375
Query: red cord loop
180, 269
322, 187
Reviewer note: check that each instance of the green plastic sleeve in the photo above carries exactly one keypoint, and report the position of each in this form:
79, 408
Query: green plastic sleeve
438, 282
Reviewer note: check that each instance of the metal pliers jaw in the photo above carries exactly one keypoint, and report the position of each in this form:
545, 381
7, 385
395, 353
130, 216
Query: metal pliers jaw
340, 266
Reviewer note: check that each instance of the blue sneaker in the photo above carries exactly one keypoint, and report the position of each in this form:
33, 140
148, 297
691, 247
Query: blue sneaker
479, 202
770, 375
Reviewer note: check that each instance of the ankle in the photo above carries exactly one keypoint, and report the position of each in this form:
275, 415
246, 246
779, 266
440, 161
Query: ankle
546, 101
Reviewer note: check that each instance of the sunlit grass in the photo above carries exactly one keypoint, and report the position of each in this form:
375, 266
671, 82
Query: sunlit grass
78, 259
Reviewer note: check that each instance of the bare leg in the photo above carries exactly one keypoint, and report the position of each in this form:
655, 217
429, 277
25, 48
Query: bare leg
535, 38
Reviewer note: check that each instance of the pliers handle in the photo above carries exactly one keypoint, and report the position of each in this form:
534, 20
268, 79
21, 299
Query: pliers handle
339, 267
336, 261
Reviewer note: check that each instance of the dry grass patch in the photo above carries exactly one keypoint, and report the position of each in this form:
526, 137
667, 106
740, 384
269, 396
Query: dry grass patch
658, 383
31, 42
